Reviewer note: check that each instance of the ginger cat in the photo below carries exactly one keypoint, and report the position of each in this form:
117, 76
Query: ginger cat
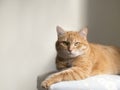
78, 59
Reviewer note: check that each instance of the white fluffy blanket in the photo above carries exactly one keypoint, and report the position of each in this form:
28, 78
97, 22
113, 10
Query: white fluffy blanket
99, 82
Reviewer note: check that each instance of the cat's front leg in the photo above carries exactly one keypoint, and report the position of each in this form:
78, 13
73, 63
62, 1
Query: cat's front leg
54, 78
74, 73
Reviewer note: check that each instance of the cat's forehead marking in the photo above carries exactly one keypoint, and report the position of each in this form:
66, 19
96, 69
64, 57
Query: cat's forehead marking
72, 36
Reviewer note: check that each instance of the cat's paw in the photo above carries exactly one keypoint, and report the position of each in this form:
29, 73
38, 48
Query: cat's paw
45, 84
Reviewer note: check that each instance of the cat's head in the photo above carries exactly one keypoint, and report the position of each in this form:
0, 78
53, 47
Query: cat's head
71, 44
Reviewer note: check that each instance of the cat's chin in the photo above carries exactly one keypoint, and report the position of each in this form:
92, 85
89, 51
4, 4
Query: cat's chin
69, 55
73, 56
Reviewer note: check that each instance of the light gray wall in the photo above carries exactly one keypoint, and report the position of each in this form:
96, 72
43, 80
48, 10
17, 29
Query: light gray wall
27, 34
27, 37
104, 21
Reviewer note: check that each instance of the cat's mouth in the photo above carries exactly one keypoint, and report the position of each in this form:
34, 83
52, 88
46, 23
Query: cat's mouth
75, 53
67, 54
72, 54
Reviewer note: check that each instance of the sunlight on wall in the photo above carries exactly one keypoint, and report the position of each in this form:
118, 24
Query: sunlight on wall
27, 37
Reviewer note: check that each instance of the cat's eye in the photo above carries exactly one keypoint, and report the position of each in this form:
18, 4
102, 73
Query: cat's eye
77, 43
65, 43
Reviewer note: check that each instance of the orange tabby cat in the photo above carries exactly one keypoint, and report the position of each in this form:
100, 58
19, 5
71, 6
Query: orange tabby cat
78, 59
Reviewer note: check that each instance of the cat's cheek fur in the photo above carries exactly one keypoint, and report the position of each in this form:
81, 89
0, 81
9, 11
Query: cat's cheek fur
74, 53
63, 53
78, 53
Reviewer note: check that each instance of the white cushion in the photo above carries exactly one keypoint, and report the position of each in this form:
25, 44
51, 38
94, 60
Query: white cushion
99, 82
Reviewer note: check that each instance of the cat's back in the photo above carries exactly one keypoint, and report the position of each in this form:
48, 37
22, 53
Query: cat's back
107, 55
105, 52
105, 49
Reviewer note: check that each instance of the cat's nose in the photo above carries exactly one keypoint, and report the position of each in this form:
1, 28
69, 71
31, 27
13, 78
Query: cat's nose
70, 50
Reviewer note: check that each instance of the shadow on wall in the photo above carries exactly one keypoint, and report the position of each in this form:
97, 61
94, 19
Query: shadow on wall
103, 19
49, 69
40, 78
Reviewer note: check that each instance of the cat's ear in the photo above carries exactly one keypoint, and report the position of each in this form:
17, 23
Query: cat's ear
60, 31
83, 32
